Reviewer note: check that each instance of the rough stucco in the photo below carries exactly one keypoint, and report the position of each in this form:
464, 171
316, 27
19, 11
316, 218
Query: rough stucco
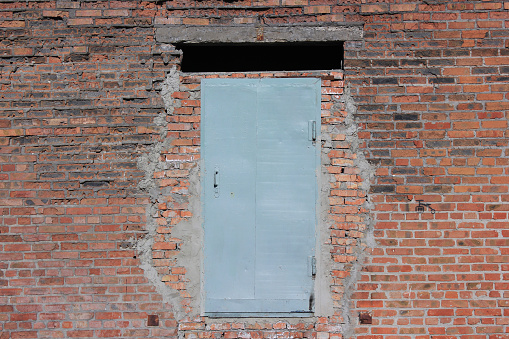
149, 163
325, 265
361, 250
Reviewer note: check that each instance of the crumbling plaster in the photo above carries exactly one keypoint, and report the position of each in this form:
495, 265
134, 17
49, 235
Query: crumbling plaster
367, 172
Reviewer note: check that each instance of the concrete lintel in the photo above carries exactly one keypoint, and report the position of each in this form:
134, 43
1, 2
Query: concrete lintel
259, 34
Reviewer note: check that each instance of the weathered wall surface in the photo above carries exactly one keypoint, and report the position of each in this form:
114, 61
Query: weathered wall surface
99, 151
431, 83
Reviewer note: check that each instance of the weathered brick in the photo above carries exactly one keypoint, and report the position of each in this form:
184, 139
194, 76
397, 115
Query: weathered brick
380, 8
82, 91
80, 21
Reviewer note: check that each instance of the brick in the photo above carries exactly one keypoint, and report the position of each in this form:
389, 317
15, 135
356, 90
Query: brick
12, 24
89, 12
54, 14
195, 21
317, 9
80, 22
403, 7
108, 315
11, 132
492, 106
116, 12
22, 51
374, 8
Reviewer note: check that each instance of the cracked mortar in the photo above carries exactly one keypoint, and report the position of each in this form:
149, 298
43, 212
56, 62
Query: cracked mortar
190, 232
367, 172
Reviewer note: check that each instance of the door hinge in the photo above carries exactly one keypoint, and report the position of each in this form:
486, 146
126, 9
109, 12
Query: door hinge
312, 265
216, 182
312, 130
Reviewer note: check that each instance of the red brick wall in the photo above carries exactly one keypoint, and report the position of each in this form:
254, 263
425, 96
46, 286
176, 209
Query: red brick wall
78, 103
431, 83
80, 98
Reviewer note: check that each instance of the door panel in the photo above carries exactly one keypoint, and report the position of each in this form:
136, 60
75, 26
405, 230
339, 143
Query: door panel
285, 189
259, 220
229, 209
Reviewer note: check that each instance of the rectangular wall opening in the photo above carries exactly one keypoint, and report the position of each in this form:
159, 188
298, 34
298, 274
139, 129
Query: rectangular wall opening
260, 57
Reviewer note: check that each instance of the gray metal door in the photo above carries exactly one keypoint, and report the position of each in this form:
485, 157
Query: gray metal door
260, 160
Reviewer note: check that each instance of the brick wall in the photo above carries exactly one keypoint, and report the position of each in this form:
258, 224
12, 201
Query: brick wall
82, 110
78, 104
431, 83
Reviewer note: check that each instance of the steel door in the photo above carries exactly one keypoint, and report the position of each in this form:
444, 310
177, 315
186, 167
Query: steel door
260, 163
